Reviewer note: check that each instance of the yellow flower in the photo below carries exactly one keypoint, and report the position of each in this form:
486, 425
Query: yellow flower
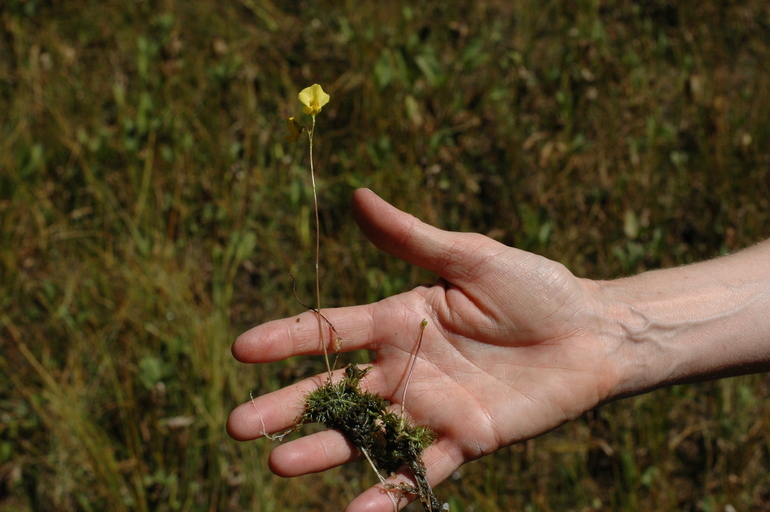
314, 98
295, 130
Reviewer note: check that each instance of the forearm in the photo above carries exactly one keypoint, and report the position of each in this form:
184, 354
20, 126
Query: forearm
697, 322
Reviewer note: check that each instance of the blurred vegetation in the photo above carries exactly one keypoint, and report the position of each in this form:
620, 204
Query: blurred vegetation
150, 212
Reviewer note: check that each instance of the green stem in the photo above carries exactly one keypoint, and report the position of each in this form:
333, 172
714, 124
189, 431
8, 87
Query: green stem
317, 253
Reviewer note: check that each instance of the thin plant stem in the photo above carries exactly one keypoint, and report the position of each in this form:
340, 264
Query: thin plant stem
423, 325
382, 480
317, 253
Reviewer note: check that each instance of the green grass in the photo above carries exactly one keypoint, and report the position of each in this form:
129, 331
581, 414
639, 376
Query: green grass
150, 213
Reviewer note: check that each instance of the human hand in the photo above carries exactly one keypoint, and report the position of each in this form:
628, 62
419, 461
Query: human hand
513, 348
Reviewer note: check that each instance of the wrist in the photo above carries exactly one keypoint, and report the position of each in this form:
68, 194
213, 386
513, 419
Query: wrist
687, 324
636, 355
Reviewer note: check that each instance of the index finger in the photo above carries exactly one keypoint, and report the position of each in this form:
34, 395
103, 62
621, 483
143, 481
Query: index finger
299, 335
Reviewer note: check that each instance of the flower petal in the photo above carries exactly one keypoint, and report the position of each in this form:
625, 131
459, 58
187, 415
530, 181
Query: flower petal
314, 98
321, 96
295, 130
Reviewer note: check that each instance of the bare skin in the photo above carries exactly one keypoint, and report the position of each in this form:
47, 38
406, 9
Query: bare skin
515, 344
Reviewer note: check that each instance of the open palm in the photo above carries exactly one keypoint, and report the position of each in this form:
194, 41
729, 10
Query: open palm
511, 350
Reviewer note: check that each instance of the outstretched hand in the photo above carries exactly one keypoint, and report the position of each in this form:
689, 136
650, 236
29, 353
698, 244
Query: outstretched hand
512, 349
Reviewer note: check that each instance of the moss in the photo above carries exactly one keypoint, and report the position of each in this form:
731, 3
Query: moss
388, 439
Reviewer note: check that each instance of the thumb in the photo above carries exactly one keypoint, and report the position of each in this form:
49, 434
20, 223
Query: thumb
457, 257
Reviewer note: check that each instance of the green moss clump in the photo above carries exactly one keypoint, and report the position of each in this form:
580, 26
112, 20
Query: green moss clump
386, 438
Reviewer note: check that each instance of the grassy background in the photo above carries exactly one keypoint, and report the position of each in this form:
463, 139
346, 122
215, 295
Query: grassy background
150, 212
